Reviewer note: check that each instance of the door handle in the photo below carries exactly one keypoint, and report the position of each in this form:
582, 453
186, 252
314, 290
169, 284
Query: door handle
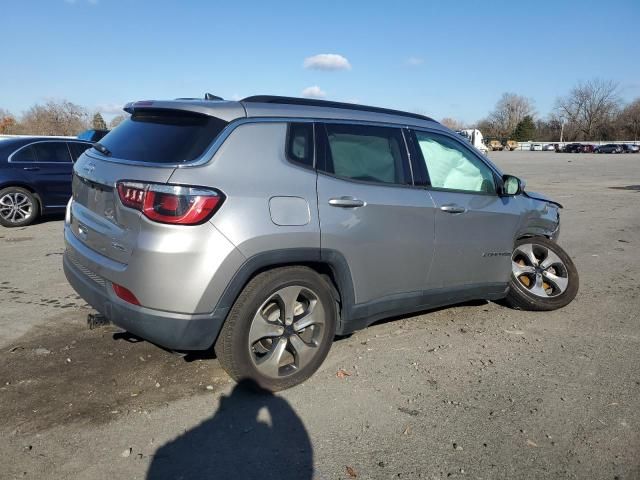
31, 169
453, 209
346, 202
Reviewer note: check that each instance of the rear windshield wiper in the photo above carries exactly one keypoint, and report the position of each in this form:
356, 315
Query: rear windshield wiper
102, 149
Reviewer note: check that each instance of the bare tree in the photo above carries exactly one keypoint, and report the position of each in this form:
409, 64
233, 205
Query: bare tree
509, 111
488, 129
7, 122
54, 118
590, 107
452, 123
117, 120
629, 119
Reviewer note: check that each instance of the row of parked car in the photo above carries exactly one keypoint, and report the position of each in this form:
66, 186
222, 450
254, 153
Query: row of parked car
585, 148
35, 175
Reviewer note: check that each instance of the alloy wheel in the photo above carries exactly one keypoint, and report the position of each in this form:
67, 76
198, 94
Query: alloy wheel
15, 207
539, 270
286, 331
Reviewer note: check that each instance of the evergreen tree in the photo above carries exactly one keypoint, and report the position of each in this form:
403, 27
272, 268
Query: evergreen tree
98, 122
525, 130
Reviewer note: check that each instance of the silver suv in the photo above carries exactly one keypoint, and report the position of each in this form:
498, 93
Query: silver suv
267, 226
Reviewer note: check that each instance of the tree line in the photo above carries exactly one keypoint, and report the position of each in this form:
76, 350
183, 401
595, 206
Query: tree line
59, 117
591, 110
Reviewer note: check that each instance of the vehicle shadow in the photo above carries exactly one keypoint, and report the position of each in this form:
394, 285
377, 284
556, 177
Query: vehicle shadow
253, 434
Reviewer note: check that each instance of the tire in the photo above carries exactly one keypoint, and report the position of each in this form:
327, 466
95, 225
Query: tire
260, 307
18, 207
543, 289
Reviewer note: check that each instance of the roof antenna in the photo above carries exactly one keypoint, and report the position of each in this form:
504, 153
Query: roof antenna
210, 96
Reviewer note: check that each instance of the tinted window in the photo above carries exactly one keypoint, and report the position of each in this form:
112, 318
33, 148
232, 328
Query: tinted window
52, 152
44, 152
360, 152
453, 167
78, 148
27, 154
300, 143
163, 136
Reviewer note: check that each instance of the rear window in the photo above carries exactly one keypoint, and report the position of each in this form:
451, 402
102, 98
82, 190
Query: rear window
163, 136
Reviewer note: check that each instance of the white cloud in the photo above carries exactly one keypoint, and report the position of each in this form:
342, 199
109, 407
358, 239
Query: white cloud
110, 108
314, 92
327, 61
415, 61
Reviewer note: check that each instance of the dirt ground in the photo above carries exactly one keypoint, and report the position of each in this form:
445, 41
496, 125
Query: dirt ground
472, 391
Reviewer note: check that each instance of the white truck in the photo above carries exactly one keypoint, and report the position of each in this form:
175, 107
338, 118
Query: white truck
475, 138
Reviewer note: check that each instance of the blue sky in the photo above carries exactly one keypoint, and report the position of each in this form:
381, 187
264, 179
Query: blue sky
444, 59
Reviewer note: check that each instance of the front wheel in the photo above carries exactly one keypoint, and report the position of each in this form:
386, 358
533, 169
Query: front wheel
543, 276
280, 329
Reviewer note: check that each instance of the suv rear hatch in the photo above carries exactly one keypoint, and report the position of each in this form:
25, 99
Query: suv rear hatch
144, 150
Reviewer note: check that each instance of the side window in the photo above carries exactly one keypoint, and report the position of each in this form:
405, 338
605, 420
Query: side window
27, 154
300, 143
78, 148
366, 153
52, 152
451, 166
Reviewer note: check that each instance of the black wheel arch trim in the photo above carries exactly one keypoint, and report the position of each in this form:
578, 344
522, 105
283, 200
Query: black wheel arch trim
260, 262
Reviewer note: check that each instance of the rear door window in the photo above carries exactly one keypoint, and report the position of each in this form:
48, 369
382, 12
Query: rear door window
44, 152
163, 136
52, 152
366, 153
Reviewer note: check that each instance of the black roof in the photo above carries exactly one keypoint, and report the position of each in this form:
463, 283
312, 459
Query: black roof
326, 103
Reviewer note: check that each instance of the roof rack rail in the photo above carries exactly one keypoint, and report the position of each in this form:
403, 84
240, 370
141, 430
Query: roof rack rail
326, 103
207, 96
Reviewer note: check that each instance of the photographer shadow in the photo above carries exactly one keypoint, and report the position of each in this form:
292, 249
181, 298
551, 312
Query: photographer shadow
254, 434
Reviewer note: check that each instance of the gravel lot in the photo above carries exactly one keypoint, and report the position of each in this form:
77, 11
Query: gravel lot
473, 391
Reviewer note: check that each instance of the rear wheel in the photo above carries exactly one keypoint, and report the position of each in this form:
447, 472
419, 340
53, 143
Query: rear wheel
18, 207
543, 276
280, 328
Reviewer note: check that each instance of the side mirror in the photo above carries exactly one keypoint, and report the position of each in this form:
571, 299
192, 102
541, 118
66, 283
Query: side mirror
512, 185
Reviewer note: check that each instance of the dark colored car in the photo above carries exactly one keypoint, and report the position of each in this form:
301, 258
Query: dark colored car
35, 177
627, 148
573, 148
609, 148
588, 148
92, 135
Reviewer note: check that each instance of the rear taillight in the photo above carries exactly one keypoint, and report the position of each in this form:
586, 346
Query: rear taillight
170, 203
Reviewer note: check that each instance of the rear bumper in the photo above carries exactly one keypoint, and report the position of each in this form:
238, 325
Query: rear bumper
171, 330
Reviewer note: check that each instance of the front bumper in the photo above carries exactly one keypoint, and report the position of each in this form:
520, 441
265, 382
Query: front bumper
170, 330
